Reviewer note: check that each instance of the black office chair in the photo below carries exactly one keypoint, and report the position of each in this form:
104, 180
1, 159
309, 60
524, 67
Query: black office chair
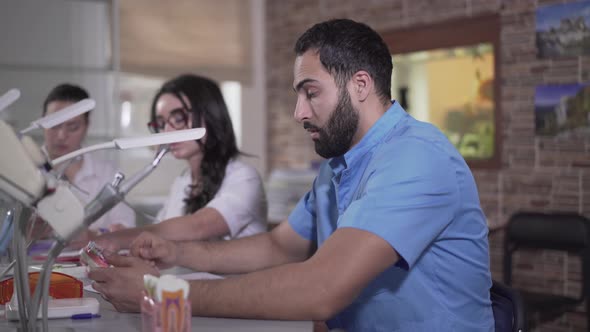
509, 310
554, 231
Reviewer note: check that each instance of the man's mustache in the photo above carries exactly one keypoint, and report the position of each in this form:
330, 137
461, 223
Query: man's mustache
307, 125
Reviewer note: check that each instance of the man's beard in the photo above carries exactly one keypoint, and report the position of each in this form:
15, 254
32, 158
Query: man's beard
335, 138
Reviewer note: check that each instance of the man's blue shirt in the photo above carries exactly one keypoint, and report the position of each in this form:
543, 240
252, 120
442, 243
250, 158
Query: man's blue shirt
405, 182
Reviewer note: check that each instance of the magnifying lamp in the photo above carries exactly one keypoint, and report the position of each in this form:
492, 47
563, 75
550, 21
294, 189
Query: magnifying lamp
68, 219
61, 116
136, 142
20, 177
67, 216
11, 168
50, 120
63, 211
8, 98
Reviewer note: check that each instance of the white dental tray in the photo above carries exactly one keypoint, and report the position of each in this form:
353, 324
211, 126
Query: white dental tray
60, 308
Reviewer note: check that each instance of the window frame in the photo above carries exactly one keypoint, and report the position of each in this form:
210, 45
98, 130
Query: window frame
457, 33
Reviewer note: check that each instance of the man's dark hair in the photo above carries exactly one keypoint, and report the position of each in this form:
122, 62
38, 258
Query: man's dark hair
66, 92
345, 47
206, 104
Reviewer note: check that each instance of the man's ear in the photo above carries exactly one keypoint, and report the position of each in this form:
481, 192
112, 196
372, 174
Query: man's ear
362, 84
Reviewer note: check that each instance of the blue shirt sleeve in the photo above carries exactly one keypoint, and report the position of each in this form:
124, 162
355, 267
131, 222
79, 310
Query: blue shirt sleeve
302, 218
408, 199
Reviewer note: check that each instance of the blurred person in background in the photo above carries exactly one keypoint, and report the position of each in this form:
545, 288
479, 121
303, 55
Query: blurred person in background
87, 173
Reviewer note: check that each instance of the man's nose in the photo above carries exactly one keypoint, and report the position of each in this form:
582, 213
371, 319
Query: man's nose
61, 132
301, 110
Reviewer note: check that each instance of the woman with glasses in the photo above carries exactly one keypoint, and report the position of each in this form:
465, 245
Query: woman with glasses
217, 195
88, 174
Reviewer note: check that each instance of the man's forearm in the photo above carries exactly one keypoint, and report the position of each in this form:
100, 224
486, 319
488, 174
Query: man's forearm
122, 238
286, 292
206, 223
248, 254
175, 229
315, 289
229, 257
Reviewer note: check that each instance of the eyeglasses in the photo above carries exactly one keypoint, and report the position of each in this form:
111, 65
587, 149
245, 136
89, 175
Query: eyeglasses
178, 119
61, 286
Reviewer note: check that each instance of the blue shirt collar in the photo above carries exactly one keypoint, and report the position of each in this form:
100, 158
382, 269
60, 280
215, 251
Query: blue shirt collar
375, 134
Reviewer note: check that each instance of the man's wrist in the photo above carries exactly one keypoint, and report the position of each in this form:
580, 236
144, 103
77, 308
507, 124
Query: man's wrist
179, 253
187, 256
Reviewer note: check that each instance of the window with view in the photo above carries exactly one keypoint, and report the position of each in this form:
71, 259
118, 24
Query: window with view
447, 74
451, 88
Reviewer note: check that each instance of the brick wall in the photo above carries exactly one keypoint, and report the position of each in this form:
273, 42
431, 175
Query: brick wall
537, 173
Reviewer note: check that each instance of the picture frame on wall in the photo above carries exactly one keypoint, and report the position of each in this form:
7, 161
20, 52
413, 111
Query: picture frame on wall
563, 30
562, 109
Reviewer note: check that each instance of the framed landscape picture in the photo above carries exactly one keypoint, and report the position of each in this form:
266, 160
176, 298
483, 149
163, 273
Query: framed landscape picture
563, 30
562, 109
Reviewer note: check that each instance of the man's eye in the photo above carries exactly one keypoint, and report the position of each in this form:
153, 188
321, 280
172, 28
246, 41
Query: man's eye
310, 94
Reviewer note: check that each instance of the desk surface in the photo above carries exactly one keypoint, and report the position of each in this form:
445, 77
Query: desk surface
111, 320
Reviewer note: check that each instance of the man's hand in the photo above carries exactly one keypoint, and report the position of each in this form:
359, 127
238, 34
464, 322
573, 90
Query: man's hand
122, 284
81, 240
152, 247
116, 227
107, 245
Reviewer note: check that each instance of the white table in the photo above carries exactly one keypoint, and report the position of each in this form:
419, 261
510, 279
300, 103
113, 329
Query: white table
113, 321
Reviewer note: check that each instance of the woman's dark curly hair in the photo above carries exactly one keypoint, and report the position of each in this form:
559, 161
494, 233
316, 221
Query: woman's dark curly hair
207, 104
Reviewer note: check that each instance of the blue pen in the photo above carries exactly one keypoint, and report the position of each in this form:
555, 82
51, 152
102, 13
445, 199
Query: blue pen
85, 316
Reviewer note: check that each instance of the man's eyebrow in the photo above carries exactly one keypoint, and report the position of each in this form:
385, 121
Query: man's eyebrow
300, 84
